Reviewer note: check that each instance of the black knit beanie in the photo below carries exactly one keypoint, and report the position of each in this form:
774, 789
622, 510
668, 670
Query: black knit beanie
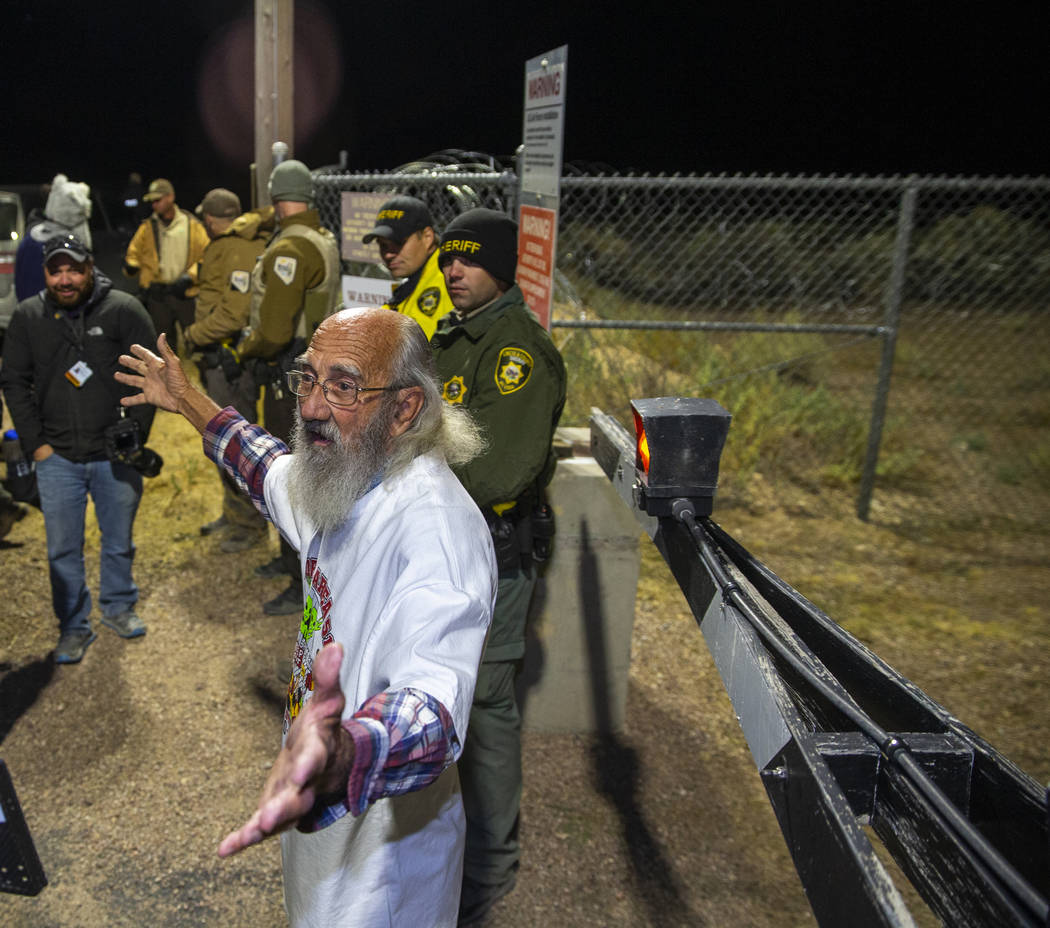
488, 238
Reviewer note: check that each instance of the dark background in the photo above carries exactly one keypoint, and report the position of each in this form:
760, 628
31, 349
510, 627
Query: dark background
99, 90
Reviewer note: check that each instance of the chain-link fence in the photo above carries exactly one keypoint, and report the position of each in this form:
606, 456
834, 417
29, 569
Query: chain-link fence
843, 321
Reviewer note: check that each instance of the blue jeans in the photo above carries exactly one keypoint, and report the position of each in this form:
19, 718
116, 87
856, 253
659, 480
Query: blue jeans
116, 490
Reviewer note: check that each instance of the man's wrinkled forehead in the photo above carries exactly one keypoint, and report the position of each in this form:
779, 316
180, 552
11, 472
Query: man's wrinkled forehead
360, 342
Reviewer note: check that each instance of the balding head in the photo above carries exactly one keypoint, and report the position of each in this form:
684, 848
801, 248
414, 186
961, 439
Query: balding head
371, 337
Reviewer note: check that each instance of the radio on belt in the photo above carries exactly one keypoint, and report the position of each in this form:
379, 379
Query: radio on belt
679, 445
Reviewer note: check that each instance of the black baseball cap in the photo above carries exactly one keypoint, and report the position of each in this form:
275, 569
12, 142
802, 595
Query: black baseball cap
398, 218
67, 244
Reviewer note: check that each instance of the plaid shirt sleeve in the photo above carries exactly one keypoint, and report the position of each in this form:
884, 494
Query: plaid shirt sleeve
403, 741
244, 451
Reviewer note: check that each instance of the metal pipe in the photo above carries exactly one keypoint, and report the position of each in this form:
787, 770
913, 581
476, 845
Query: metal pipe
891, 322
697, 326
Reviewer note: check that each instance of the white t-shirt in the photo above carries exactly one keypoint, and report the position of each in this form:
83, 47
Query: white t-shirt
407, 586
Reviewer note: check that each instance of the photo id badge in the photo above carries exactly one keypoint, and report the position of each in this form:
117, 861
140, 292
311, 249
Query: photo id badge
78, 374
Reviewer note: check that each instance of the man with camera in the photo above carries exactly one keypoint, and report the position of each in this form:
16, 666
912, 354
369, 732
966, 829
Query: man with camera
59, 358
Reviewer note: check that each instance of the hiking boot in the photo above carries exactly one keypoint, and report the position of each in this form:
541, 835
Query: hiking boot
237, 540
127, 624
216, 525
274, 568
286, 603
11, 514
477, 899
73, 644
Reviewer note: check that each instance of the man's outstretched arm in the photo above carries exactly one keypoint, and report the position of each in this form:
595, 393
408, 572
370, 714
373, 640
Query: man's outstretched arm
315, 760
163, 384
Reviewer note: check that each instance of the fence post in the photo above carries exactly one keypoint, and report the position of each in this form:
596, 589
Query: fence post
890, 325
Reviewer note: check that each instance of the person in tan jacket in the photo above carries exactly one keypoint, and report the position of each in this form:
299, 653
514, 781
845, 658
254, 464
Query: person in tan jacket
162, 256
221, 314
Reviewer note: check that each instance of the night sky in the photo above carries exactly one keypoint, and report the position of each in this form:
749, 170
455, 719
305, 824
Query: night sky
768, 87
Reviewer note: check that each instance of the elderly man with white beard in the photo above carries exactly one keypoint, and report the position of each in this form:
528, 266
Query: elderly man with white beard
399, 582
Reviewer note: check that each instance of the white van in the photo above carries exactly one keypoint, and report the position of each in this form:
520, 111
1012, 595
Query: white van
12, 225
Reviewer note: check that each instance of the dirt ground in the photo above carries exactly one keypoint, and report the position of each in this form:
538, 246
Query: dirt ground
131, 766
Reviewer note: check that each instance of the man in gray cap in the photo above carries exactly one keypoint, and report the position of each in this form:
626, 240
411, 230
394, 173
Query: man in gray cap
162, 256
59, 357
294, 286
407, 242
221, 315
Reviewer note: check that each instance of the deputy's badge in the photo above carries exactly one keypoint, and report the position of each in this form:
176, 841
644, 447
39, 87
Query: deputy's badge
513, 369
454, 391
429, 300
239, 280
284, 267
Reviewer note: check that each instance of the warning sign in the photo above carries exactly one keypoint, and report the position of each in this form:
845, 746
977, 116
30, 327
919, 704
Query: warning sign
358, 219
537, 236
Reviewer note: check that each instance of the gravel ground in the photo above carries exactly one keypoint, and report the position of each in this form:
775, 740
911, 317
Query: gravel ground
131, 766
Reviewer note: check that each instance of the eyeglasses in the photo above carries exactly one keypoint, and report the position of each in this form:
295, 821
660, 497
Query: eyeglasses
339, 391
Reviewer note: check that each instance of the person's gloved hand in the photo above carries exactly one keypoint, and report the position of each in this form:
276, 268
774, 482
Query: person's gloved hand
180, 285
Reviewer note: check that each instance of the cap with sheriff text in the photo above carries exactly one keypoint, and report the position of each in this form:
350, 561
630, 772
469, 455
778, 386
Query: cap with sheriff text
485, 236
398, 218
158, 188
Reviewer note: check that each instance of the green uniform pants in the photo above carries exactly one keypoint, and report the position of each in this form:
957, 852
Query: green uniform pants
242, 395
490, 765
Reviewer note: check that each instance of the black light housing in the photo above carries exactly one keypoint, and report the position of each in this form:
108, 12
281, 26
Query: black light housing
679, 446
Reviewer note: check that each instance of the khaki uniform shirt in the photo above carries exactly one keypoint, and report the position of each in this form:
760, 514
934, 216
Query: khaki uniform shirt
291, 271
225, 273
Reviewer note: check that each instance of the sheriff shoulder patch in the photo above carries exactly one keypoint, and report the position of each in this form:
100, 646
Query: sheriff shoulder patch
513, 369
428, 301
284, 267
454, 391
239, 281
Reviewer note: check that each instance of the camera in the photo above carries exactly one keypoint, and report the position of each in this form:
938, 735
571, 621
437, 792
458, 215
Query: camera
124, 446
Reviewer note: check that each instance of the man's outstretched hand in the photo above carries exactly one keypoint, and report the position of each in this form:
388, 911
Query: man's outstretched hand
314, 761
161, 379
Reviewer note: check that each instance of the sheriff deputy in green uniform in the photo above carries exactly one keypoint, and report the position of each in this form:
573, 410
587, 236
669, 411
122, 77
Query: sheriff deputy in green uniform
221, 314
407, 244
494, 358
294, 285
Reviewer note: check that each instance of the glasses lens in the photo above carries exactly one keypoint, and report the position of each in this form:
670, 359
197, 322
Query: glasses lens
299, 383
341, 392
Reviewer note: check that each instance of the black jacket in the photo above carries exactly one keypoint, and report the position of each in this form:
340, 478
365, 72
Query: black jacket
44, 341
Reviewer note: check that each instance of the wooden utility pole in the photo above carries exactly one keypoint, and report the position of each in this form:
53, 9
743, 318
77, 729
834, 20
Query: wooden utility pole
274, 32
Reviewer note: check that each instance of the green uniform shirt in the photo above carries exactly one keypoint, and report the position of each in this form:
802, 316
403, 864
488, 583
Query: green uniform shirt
423, 296
225, 273
502, 365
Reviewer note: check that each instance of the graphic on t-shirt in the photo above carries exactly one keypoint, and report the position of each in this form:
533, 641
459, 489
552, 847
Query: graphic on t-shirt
316, 619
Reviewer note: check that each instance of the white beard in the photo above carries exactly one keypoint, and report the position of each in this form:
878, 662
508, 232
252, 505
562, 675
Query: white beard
324, 481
